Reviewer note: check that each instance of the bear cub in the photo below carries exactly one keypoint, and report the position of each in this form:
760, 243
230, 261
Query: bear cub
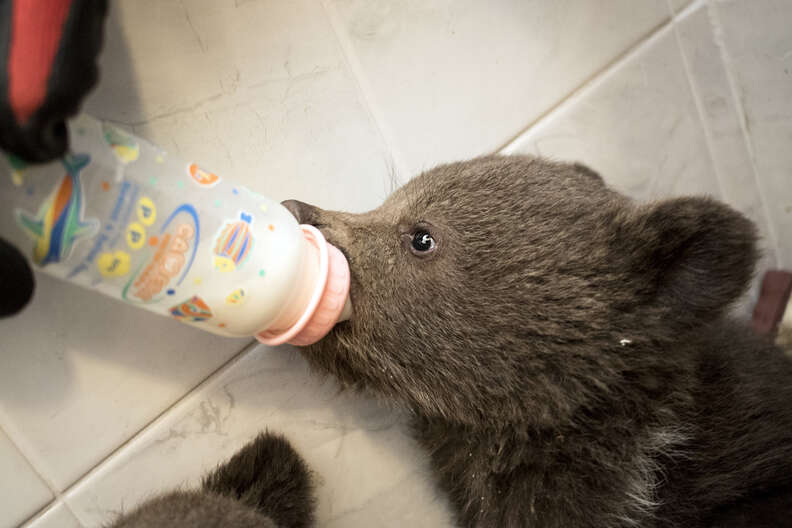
566, 354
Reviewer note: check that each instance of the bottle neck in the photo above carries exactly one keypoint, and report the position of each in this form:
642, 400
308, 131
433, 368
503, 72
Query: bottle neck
305, 287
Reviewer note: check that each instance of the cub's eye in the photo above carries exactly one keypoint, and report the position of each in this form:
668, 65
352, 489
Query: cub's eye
422, 243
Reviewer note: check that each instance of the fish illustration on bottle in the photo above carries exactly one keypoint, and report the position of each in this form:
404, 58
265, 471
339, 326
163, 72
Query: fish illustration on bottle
59, 222
233, 244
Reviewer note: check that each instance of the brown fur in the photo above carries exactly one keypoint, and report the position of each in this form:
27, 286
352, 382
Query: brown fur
565, 351
264, 485
784, 338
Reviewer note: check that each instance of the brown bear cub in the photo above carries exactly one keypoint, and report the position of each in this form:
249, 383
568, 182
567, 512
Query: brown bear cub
566, 353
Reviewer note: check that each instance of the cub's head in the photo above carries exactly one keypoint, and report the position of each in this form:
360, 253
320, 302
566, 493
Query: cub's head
517, 289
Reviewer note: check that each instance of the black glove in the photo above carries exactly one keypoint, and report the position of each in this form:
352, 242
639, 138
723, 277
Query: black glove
48, 54
16, 280
48, 64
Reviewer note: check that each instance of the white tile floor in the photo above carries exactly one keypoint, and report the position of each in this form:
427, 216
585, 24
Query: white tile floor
102, 405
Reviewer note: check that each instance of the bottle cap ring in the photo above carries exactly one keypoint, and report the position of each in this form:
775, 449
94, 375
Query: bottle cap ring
327, 300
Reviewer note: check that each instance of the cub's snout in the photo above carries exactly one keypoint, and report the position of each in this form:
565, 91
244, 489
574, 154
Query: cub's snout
303, 212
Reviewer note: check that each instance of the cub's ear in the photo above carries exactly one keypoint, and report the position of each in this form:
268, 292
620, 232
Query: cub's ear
698, 253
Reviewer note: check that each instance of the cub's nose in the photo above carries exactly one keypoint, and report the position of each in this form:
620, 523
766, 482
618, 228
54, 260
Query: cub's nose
303, 212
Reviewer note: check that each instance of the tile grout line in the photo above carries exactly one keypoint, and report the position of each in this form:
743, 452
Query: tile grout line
32, 460
52, 489
45, 510
596, 78
694, 91
720, 43
236, 358
365, 90
59, 496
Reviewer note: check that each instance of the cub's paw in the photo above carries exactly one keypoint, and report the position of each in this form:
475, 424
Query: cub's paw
268, 475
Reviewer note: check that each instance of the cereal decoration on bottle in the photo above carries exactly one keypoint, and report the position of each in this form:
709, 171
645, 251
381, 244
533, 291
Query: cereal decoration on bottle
17, 169
167, 262
168, 254
202, 177
115, 264
193, 309
236, 297
135, 236
146, 211
124, 146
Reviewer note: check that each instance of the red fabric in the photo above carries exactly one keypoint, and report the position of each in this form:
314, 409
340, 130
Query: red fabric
36, 30
773, 298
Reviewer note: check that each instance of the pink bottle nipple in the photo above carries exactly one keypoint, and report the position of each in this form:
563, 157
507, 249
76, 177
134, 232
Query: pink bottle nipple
327, 300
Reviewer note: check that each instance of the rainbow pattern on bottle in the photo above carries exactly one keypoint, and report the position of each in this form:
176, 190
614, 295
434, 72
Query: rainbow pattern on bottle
234, 243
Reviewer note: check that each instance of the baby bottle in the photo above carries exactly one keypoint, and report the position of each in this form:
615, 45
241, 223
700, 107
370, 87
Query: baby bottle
122, 217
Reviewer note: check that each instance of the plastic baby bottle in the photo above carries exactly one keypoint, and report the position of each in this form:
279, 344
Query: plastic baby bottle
120, 216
